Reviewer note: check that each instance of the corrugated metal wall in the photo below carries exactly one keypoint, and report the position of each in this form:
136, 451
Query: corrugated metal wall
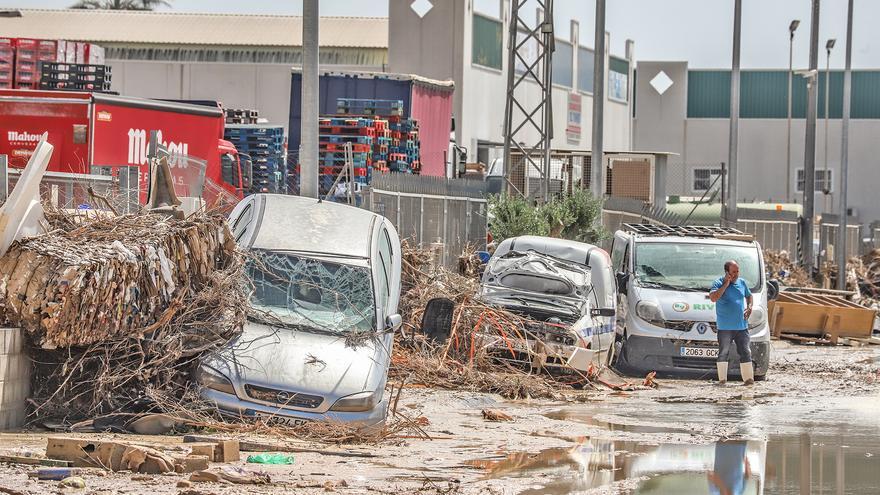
763, 94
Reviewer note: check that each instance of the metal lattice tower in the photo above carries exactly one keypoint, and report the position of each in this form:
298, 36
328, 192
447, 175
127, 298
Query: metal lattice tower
528, 125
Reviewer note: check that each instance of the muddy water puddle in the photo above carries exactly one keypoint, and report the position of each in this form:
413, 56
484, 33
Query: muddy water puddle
830, 446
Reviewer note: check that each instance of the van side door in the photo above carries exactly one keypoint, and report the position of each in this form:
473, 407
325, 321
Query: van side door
620, 262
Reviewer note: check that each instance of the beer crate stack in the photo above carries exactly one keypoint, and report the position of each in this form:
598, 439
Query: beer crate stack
7, 63
29, 54
74, 77
265, 146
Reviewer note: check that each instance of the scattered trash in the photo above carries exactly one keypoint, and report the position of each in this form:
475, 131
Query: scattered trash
120, 456
270, 458
232, 475
649, 380
184, 484
496, 415
73, 482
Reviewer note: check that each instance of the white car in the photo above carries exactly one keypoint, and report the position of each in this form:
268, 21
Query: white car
318, 345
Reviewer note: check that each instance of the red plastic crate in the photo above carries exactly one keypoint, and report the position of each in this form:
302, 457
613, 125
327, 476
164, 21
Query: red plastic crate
27, 76
27, 85
25, 66
25, 49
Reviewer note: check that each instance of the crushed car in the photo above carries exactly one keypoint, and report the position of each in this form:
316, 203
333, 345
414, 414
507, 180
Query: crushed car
565, 290
318, 339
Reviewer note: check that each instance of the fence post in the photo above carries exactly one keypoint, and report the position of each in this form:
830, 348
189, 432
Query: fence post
421, 220
467, 219
445, 239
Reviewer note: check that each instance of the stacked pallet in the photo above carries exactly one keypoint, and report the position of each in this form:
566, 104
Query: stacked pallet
78, 77
239, 116
397, 138
265, 146
7, 63
333, 135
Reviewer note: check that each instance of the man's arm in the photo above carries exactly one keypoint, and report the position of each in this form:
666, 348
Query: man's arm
716, 293
749, 301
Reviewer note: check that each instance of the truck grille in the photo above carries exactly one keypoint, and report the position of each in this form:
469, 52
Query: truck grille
683, 325
283, 397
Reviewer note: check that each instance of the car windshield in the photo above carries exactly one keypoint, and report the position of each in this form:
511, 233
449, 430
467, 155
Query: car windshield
686, 265
306, 292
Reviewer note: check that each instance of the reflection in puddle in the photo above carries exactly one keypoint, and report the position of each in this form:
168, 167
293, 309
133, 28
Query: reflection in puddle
794, 464
586, 417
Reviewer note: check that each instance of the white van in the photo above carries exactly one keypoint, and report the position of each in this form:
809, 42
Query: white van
665, 320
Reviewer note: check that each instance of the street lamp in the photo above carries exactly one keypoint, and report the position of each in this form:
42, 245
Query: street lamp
826, 186
791, 29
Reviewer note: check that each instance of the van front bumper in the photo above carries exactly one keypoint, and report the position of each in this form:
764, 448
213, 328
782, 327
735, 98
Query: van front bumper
641, 355
233, 407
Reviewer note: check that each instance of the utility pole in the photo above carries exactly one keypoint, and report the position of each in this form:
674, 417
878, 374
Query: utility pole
840, 245
810, 144
826, 184
597, 159
308, 163
732, 165
791, 29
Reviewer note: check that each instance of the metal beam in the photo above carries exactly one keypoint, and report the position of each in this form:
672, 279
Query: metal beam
733, 142
308, 162
597, 157
840, 245
810, 143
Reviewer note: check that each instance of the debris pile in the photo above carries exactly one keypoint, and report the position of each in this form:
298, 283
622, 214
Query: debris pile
459, 361
863, 277
780, 266
118, 306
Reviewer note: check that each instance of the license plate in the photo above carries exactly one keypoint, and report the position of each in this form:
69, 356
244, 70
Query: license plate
699, 352
281, 420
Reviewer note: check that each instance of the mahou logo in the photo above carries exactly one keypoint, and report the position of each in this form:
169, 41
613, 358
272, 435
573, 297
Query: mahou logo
15, 137
138, 146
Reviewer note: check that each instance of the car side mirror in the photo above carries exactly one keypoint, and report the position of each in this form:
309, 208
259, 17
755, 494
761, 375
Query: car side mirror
393, 322
602, 312
622, 282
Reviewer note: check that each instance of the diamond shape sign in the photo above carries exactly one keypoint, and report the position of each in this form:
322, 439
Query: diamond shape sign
661, 82
421, 7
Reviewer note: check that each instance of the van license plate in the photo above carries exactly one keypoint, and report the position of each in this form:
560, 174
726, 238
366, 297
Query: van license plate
699, 352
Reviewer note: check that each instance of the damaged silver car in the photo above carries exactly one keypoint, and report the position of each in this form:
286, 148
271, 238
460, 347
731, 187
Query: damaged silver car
565, 289
317, 343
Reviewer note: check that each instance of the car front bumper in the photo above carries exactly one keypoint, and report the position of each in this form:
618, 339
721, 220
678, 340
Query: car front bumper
641, 354
553, 357
231, 406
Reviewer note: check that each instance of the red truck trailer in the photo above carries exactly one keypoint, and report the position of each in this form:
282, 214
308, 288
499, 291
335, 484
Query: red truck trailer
96, 133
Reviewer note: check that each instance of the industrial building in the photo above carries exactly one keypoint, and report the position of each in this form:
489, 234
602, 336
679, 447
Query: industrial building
466, 41
244, 61
686, 111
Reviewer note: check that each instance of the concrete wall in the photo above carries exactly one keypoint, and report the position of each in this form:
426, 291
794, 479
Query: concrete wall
661, 123
265, 87
439, 46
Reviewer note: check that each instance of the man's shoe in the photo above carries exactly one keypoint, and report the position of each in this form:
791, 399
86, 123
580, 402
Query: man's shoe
722, 373
748, 373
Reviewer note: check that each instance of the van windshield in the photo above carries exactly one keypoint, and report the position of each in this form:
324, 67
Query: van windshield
692, 266
306, 292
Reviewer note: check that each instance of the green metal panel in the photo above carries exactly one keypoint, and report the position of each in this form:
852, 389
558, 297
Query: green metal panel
865, 95
708, 94
618, 65
763, 94
486, 45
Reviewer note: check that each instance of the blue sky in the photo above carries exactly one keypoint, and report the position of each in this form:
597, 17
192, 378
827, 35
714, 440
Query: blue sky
698, 31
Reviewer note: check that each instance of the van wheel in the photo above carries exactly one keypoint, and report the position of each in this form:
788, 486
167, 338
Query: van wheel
615, 351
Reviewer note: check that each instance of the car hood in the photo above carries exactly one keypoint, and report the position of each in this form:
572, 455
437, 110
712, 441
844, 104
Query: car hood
680, 305
536, 273
302, 362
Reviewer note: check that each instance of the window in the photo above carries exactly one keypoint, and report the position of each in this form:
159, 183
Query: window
617, 249
529, 53
385, 258
823, 180
491, 8
486, 47
618, 79
562, 56
586, 61
705, 178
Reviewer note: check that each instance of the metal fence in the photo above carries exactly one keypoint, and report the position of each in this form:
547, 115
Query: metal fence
446, 215
828, 236
774, 230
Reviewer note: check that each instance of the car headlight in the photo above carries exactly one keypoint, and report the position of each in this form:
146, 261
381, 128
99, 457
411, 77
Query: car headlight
649, 311
360, 402
210, 378
757, 318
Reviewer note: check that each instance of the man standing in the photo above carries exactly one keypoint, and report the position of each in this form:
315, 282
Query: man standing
733, 306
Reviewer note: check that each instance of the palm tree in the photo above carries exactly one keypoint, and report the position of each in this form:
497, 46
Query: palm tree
121, 4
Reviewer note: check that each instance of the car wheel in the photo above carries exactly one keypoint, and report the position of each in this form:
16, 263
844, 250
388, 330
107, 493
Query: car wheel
437, 320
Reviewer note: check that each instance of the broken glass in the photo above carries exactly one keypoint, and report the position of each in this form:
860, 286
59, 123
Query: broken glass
305, 292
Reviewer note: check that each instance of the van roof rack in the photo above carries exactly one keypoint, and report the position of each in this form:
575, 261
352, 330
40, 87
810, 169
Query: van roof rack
717, 232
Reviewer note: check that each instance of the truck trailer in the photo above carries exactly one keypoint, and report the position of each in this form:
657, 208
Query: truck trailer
96, 133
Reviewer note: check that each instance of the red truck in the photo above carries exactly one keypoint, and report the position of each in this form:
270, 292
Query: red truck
100, 133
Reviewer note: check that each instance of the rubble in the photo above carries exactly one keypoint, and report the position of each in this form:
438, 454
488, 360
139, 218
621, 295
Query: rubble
780, 267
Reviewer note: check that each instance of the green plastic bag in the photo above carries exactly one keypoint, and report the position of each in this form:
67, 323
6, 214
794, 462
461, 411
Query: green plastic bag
270, 459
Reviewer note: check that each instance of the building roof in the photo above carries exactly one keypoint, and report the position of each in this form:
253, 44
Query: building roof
143, 27
297, 223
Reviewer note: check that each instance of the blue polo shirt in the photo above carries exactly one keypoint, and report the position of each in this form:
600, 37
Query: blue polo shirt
730, 308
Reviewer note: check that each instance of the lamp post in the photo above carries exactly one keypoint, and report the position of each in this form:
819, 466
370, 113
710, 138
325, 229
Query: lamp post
826, 184
791, 29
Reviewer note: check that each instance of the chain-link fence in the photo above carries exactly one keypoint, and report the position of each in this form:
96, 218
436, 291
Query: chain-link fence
446, 215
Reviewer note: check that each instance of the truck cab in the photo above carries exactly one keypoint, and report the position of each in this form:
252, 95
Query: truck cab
665, 320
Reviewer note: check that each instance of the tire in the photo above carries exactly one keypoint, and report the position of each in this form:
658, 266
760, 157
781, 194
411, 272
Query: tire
437, 319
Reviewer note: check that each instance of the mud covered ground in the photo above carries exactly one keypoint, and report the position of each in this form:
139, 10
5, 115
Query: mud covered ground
814, 425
